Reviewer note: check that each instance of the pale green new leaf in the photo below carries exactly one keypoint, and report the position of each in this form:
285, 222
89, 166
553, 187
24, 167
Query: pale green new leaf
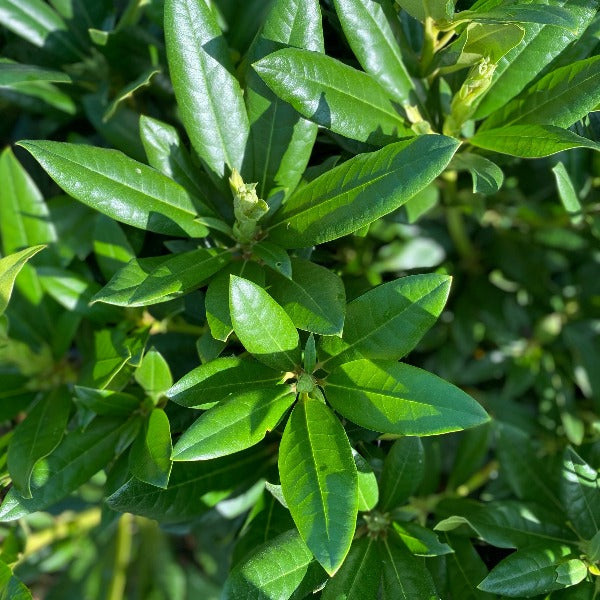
438, 10
530, 141
368, 490
516, 13
319, 481
263, 326
359, 577
154, 374
216, 380
534, 571
334, 95
388, 321
36, 436
152, 280
397, 398
273, 571
561, 98
150, 456
360, 191
567, 193
10, 267
208, 94
120, 187
366, 26
235, 424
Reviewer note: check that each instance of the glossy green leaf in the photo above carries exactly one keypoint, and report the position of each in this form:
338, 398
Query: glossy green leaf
515, 13
334, 95
368, 490
530, 141
202, 75
420, 540
360, 191
15, 73
402, 473
438, 10
220, 378
273, 571
465, 570
540, 45
397, 398
11, 588
507, 523
319, 481
80, 455
359, 576
561, 98
217, 296
274, 256
263, 326
367, 28
487, 176
388, 321
534, 571
488, 41
567, 193
154, 374
153, 280
150, 456
235, 424
118, 186
10, 267
314, 297
281, 139
195, 480
106, 402
37, 436
580, 494
405, 576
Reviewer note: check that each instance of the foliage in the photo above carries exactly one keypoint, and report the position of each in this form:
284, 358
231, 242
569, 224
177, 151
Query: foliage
203, 309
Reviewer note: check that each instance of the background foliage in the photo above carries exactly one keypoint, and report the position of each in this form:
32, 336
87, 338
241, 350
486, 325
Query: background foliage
200, 393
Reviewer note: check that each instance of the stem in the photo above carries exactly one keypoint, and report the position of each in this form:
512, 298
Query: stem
117, 583
429, 44
458, 233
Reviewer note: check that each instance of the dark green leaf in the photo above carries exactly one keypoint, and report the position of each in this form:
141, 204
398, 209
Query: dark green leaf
273, 256
154, 374
11, 587
397, 398
420, 540
319, 481
111, 246
360, 191
10, 267
106, 402
487, 176
15, 73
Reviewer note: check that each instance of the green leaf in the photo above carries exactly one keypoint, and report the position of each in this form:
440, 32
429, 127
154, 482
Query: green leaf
560, 98
152, 280
314, 298
402, 473
190, 480
154, 374
492, 42
359, 576
360, 191
235, 424
217, 296
10, 267
534, 571
487, 176
465, 570
274, 256
506, 523
281, 139
142, 81
567, 193
208, 384
404, 576
368, 31
334, 95
420, 540
202, 75
540, 45
273, 570
515, 13
15, 73
368, 490
396, 398
11, 587
438, 10
580, 494
530, 141
78, 457
37, 436
388, 321
150, 455
118, 186
106, 402
263, 326
319, 481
